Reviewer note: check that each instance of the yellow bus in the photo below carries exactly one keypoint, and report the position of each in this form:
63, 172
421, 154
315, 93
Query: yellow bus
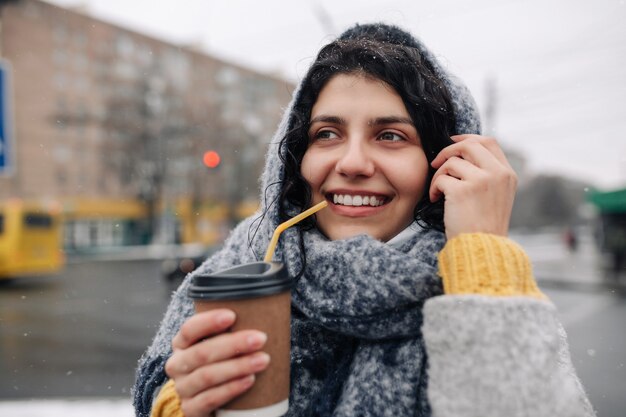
30, 239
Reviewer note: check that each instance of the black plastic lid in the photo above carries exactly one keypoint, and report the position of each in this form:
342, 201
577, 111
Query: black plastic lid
250, 280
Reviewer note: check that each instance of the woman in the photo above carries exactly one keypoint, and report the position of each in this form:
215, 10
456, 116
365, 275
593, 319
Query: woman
379, 130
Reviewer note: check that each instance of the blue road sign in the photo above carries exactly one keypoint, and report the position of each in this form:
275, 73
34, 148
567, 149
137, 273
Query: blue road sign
6, 127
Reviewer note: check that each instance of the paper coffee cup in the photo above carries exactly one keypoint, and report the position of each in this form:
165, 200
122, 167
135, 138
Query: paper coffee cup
260, 295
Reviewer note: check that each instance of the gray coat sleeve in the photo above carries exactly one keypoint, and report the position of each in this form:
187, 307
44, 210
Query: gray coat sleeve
497, 357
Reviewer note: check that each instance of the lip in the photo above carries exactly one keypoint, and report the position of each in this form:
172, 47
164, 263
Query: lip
350, 211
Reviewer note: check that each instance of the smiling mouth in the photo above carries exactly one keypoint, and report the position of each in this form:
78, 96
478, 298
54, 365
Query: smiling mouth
357, 200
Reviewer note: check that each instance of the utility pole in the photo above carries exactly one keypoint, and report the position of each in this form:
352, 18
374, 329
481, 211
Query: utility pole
491, 104
323, 17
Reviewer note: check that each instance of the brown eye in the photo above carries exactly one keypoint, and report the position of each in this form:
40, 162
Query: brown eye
390, 137
325, 135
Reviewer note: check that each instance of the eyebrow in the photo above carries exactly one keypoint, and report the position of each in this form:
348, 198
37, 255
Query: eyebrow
386, 120
328, 119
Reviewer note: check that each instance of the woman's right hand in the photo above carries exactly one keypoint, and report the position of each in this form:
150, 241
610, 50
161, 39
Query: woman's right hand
210, 366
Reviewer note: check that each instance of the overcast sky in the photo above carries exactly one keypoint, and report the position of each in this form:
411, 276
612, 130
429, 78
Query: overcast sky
559, 65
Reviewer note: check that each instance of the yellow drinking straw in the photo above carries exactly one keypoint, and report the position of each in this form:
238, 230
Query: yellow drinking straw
281, 228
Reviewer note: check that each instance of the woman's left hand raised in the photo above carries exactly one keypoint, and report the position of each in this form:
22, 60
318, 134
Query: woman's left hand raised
478, 185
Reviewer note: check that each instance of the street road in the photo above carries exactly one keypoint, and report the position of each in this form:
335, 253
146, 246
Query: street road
80, 334
595, 327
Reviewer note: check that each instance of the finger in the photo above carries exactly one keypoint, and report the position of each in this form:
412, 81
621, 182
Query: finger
441, 186
458, 168
215, 349
218, 373
210, 400
455, 167
462, 137
496, 150
488, 142
472, 150
202, 325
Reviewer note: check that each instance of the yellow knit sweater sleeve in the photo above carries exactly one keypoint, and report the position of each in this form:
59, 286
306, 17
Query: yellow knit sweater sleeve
479, 263
167, 403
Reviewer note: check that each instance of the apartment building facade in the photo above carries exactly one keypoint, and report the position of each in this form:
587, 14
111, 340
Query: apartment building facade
112, 124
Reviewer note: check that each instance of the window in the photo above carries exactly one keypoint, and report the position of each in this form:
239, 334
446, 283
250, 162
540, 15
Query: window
59, 56
61, 178
60, 34
80, 40
37, 221
61, 81
228, 76
80, 62
125, 45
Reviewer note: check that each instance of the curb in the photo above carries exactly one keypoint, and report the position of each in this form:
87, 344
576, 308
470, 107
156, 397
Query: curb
584, 286
138, 253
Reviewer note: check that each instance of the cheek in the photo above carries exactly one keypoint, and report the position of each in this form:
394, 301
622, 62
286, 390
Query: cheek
416, 182
311, 169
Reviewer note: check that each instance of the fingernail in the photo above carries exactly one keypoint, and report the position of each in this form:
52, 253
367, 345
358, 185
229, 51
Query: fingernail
256, 340
247, 381
260, 360
226, 317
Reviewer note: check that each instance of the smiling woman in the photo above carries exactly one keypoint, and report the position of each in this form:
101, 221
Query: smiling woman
387, 317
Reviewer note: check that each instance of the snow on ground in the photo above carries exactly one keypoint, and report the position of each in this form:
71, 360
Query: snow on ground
117, 407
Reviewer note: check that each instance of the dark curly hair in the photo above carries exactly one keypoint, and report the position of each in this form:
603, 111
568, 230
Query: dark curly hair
402, 67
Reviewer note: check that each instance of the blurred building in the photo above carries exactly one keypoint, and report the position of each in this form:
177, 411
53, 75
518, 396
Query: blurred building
518, 163
113, 125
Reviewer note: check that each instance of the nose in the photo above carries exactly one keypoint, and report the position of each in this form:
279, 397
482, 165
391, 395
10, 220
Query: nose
356, 160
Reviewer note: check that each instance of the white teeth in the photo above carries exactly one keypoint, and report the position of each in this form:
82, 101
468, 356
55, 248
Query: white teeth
357, 200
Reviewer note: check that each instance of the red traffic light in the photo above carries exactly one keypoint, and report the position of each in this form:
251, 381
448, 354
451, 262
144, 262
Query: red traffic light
211, 159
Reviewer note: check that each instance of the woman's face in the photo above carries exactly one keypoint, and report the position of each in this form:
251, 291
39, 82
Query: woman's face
365, 158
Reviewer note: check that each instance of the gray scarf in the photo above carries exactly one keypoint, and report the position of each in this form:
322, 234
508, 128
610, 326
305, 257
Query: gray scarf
356, 342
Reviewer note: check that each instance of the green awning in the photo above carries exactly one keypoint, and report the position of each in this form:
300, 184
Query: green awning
609, 201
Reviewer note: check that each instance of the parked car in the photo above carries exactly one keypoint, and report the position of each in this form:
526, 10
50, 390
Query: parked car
175, 269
